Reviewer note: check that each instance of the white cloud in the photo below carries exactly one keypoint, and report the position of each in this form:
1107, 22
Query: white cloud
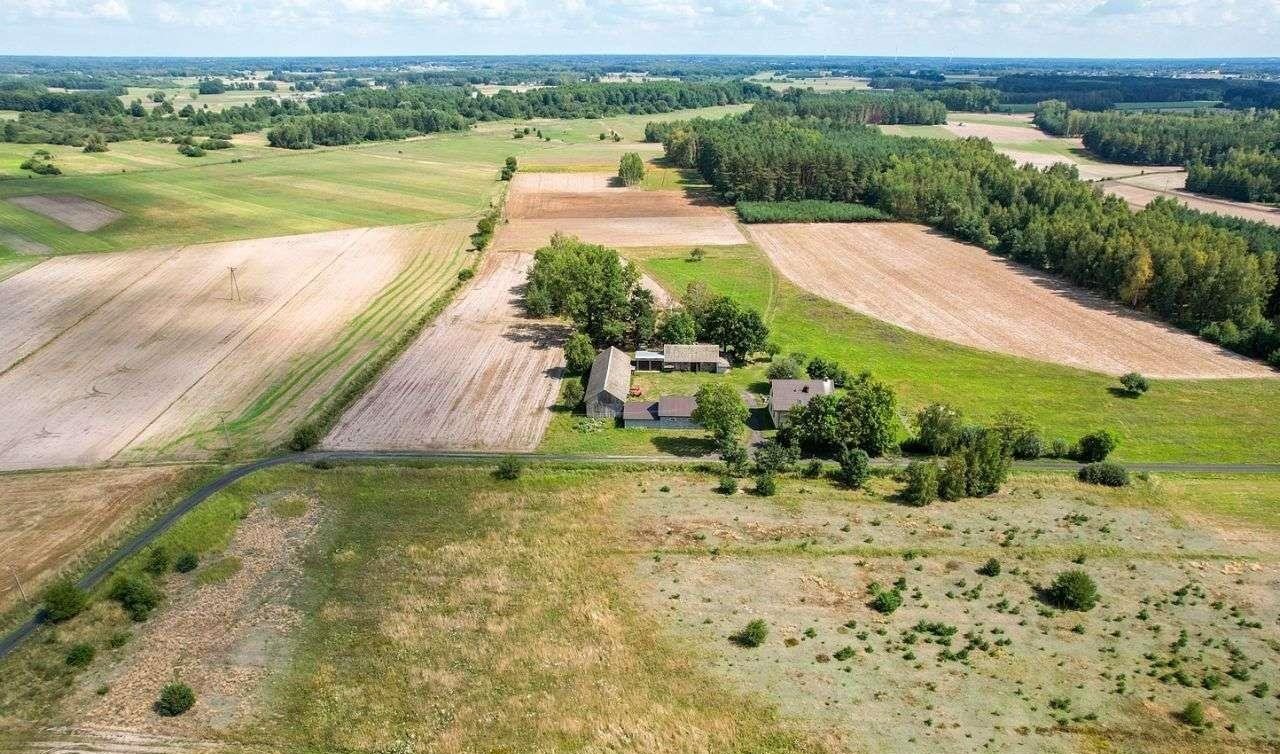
114, 9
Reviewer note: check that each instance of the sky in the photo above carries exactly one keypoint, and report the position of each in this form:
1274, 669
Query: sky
977, 28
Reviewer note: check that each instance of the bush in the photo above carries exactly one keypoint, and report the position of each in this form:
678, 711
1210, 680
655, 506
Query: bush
1096, 446
1193, 714
921, 479
81, 655
137, 595
158, 561
1072, 590
1059, 448
1274, 359
752, 635
175, 698
990, 568
509, 468
813, 469
823, 369
727, 486
766, 485
1134, 384
938, 428
305, 437
573, 394
855, 467
784, 368
466, 274
885, 601
631, 169
951, 484
578, 353
64, 600
773, 457
734, 457
186, 562
1104, 473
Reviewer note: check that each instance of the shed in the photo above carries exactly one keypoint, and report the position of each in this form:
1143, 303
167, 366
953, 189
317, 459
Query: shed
608, 384
694, 357
787, 394
669, 411
648, 361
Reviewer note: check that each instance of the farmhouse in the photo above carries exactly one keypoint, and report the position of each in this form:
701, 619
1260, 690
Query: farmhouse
669, 412
787, 394
608, 384
682, 357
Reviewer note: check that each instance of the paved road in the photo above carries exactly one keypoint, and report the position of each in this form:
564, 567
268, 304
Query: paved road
157, 527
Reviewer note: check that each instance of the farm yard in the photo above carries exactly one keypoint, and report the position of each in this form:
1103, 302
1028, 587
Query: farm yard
923, 281
134, 353
591, 207
482, 376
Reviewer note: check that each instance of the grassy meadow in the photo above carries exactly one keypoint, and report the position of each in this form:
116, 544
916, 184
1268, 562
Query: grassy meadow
1220, 421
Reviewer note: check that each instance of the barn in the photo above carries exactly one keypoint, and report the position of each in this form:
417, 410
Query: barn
668, 412
693, 357
608, 384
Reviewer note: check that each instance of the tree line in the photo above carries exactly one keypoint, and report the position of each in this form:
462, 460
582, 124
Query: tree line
1191, 273
852, 108
1099, 93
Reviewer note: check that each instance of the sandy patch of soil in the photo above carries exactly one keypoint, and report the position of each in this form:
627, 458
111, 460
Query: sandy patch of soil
220, 638
75, 212
164, 342
916, 278
482, 376
21, 244
1016, 131
48, 519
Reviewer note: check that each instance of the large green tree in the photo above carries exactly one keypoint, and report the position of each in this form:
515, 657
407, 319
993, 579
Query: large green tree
721, 411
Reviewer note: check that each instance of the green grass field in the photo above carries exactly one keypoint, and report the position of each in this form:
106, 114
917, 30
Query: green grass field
1223, 421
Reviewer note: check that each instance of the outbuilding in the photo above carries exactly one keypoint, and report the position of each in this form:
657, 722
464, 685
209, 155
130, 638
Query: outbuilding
694, 357
668, 412
608, 384
787, 394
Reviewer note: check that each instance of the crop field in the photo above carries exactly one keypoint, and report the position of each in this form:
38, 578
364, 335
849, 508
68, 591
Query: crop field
1220, 420
1139, 191
921, 280
50, 519
151, 353
615, 595
590, 206
481, 376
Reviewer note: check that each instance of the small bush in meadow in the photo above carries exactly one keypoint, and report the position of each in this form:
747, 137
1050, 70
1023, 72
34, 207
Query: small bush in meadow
158, 560
80, 655
186, 562
727, 486
304, 437
885, 601
1134, 384
1193, 714
813, 469
752, 635
175, 698
1096, 446
1104, 473
766, 485
855, 467
509, 468
921, 478
64, 600
1072, 590
136, 594
990, 568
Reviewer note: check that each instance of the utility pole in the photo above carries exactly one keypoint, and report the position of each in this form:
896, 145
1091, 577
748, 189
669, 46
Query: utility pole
222, 424
235, 288
17, 581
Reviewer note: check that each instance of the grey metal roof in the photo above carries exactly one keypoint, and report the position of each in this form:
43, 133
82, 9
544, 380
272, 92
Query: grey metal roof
610, 373
691, 352
640, 411
643, 355
783, 394
678, 406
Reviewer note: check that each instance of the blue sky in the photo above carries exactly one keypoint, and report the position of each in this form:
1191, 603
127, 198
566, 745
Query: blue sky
989, 28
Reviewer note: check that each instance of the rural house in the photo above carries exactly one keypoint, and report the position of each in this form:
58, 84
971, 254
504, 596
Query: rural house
786, 394
608, 384
668, 412
682, 357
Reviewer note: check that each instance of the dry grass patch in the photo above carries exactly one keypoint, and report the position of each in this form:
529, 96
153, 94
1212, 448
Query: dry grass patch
919, 279
75, 212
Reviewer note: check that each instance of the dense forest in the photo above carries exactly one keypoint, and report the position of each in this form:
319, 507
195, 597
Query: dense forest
1243, 175
1098, 93
1192, 273
963, 96
852, 108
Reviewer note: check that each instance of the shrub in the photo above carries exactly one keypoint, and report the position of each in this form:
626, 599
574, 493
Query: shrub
784, 368
921, 479
64, 600
752, 635
697, 255
305, 437
1274, 359
1096, 446
136, 594
578, 353
1059, 448
734, 457
631, 169
186, 562
175, 698
951, 483
573, 394
885, 601
938, 428
727, 486
1193, 714
990, 568
766, 485
813, 469
1134, 384
1104, 473
158, 561
855, 467
824, 369
465, 274
509, 468
1072, 590
775, 457
81, 655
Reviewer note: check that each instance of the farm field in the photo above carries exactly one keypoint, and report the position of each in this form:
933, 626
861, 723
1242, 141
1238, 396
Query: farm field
615, 595
1221, 420
921, 280
274, 192
123, 156
53, 518
592, 207
481, 376
154, 353
1139, 191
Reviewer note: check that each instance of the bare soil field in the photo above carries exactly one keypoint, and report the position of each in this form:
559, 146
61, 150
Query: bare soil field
48, 519
21, 244
970, 661
916, 278
997, 128
592, 207
1140, 190
481, 376
75, 212
164, 346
